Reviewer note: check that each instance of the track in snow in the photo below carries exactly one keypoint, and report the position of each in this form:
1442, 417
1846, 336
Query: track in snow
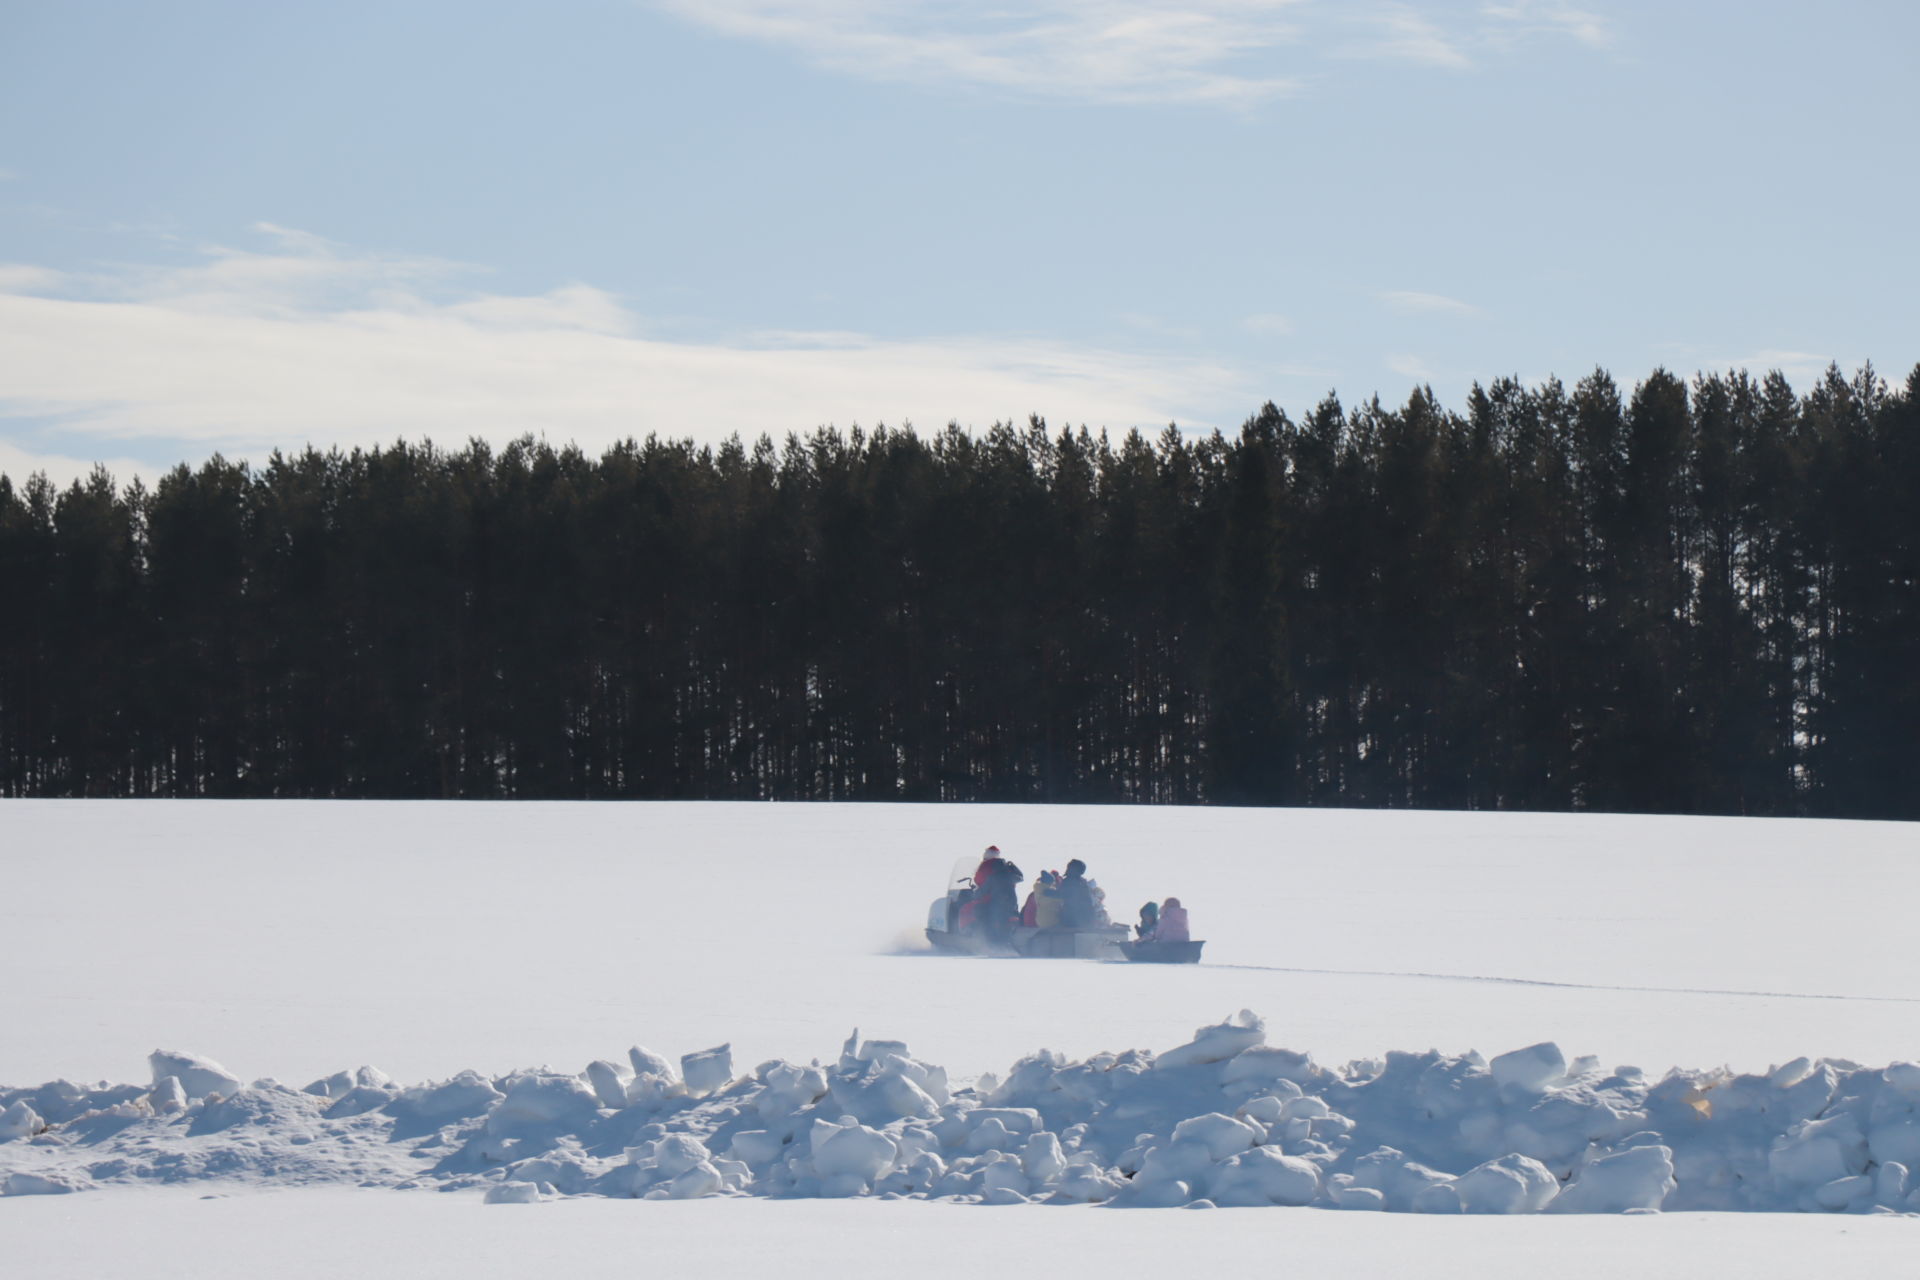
1564, 986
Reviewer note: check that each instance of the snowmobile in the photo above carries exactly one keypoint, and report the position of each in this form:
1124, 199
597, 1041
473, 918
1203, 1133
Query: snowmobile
1101, 942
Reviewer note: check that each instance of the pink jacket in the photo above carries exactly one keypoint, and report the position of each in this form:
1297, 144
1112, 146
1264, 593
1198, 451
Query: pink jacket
1173, 923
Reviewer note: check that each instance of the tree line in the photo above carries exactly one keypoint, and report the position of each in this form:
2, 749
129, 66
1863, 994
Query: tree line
1687, 598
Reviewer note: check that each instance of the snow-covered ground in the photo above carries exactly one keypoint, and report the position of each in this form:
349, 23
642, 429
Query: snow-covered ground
293, 940
375, 1235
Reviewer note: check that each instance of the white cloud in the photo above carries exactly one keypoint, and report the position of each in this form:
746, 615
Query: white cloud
1413, 302
16, 277
247, 352
1206, 51
1105, 50
19, 461
1531, 17
1401, 33
1412, 367
1802, 368
1268, 322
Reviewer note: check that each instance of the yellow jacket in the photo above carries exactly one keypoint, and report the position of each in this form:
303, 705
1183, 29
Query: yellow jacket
1046, 907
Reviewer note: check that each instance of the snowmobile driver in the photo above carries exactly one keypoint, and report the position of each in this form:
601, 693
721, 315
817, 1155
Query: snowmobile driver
996, 898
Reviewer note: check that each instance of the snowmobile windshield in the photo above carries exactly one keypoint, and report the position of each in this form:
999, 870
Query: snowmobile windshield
963, 869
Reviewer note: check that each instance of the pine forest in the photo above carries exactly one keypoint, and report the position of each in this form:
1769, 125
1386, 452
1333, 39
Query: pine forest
1683, 597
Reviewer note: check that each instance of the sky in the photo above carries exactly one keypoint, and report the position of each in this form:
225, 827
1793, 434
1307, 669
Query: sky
235, 227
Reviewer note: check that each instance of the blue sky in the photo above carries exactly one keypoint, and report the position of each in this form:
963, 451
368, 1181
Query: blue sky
238, 226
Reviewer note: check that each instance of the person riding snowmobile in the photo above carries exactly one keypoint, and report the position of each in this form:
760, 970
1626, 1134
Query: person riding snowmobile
1078, 907
1046, 906
1173, 922
996, 902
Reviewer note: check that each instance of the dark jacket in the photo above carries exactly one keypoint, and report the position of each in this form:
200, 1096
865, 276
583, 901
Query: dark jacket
1076, 902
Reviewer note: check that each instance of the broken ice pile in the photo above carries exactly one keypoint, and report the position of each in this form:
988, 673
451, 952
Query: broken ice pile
1225, 1119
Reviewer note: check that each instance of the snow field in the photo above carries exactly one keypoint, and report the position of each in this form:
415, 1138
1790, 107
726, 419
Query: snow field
457, 943
286, 938
1224, 1120
326, 1233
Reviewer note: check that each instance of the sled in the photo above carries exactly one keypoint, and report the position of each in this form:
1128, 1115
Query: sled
1155, 952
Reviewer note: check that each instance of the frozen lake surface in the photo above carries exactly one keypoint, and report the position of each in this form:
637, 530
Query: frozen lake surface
295, 939
292, 939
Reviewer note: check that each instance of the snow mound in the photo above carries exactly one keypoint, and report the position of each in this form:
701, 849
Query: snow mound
1225, 1119
197, 1076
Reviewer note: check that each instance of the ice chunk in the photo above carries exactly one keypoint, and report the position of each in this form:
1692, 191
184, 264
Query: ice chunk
1896, 1140
1904, 1077
851, 1150
1164, 1193
514, 1193
1510, 1184
19, 1121
1637, 1178
757, 1147
333, 1086
1890, 1184
1086, 1184
1533, 1069
648, 1063
1360, 1198
1816, 1152
198, 1076
22, 1183
691, 1184
1399, 1180
1266, 1109
1264, 1062
708, 1071
1185, 1161
607, 1083
1217, 1043
1222, 1136
1305, 1108
357, 1101
1845, 1193
1438, 1197
786, 1089
167, 1097
1002, 1172
670, 1156
1042, 1159
903, 1098
467, 1094
1790, 1074
991, 1134
1264, 1176
543, 1104
1013, 1119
